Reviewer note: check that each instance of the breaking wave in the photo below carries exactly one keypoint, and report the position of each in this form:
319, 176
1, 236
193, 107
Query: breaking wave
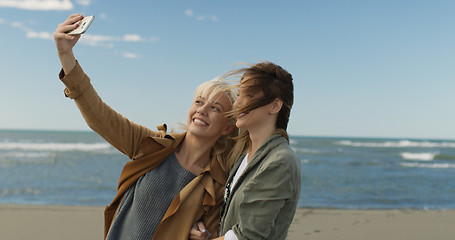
398, 144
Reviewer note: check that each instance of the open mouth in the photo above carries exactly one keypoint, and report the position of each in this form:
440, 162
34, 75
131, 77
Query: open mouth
200, 122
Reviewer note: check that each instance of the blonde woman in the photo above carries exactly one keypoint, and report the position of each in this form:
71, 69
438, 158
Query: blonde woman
174, 179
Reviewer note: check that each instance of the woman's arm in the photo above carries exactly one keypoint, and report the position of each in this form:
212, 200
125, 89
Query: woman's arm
65, 42
123, 134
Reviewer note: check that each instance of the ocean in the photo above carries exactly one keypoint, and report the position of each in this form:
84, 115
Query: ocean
80, 168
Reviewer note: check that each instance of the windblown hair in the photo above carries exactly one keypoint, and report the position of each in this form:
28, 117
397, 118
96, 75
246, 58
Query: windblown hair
275, 82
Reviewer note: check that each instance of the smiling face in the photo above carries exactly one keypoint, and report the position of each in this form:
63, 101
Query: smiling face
206, 117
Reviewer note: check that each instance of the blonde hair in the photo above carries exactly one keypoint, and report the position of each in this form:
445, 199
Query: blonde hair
222, 148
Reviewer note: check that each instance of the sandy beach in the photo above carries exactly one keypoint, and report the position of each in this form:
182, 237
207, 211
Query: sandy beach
69, 222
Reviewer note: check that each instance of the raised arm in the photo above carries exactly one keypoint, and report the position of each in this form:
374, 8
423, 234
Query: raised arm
65, 42
120, 132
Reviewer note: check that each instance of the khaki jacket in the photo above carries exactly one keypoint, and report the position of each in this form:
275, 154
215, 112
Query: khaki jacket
262, 203
201, 199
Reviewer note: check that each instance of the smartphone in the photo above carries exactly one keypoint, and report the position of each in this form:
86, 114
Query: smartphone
83, 25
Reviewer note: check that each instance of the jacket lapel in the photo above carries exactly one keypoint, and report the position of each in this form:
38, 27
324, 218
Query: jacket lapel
206, 181
260, 154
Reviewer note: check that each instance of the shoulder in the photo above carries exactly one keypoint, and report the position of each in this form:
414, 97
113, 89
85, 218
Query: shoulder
282, 154
283, 159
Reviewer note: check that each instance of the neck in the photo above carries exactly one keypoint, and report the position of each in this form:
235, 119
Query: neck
257, 137
194, 153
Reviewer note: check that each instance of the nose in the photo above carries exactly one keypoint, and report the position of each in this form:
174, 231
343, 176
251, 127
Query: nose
237, 103
202, 109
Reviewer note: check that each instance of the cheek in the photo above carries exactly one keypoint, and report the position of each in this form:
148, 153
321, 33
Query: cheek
237, 103
219, 120
191, 112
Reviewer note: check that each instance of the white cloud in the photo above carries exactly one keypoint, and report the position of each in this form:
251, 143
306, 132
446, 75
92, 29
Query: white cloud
40, 35
84, 2
17, 25
97, 40
132, 38
87, 39
108, 41
137, 38
20, 26
103, 15
31, 33
189, 12
38, 4
130, 55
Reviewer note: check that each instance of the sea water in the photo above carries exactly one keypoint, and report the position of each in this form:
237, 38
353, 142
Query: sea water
80, 168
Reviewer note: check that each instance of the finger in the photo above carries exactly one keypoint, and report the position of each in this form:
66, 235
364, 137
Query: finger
73, 19
63, 35
68, 25
195, 235
66, 28
201, 226
195, 232
203, 230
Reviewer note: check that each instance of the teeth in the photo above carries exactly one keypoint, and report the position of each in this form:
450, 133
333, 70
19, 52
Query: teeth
200, 122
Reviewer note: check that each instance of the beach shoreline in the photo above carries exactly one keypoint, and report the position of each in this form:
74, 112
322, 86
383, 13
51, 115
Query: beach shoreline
50, 222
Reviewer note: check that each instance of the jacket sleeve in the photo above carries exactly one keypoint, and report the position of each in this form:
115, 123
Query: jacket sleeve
212, 218
120, 132
263, 197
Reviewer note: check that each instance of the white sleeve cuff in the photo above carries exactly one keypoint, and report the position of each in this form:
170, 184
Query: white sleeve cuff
230, 235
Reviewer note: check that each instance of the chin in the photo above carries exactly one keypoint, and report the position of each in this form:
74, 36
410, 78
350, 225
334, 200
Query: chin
239, 124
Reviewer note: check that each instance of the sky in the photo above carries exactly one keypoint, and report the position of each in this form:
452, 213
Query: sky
360, 68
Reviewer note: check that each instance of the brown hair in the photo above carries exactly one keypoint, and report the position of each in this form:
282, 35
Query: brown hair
275, 82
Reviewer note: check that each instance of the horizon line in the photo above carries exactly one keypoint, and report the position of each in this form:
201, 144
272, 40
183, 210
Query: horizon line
291, 135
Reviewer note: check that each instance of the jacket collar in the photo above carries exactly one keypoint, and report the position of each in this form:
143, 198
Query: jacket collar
276, 139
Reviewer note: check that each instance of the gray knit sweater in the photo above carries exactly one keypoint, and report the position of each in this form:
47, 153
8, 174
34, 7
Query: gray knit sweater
146, 202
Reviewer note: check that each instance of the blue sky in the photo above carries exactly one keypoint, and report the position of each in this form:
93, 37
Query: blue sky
360, 68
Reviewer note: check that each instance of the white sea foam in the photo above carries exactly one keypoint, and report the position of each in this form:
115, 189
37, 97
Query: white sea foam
398, 143
427, 165
305, 150
25, 190
418, 156
26, 154
53, 146
304, 161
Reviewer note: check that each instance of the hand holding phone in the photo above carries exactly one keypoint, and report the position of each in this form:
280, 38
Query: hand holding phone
83, 25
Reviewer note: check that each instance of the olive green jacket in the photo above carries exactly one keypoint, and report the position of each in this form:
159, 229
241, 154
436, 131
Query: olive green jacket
262, 203
201, 199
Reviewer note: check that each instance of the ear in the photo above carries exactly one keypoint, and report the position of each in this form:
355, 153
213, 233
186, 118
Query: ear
228, 129
276, 106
